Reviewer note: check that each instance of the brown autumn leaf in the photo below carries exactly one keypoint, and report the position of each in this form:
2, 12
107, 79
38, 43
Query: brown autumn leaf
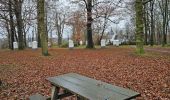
23, 73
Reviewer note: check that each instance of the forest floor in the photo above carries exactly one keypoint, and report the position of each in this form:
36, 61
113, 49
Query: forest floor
23, 73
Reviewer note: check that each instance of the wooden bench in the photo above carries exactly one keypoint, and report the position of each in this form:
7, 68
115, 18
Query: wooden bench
87, 88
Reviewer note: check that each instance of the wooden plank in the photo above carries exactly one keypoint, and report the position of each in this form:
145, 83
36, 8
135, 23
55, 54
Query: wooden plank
110, 87
89, 92
99, 90
72, 88
90, 88
61, 96
37, 97
55, 92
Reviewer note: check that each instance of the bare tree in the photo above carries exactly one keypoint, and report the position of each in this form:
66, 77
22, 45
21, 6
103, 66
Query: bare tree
104, 13
59, 23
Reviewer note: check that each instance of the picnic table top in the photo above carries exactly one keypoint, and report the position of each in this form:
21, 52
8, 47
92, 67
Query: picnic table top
90, 88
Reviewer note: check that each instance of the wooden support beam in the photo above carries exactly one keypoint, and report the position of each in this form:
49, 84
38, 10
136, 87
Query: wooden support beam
61, 96
55, 92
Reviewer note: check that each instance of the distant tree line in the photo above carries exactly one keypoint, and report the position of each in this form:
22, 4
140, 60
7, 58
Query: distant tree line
150, 20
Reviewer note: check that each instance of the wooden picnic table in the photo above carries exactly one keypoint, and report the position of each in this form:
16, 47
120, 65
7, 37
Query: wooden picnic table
87, 88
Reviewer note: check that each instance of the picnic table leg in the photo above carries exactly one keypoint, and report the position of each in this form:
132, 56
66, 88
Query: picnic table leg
55, 92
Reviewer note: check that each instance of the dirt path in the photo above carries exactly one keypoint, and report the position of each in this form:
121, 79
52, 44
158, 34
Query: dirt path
160, 50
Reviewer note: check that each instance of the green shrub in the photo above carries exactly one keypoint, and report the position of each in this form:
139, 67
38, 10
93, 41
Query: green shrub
168, 44
64, 45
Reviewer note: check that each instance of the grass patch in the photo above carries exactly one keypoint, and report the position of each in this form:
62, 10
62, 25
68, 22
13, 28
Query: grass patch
149, 54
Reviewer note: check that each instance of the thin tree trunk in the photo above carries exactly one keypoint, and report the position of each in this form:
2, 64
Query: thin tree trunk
12, 28
104, 27
167, 19
58, 26
39, 40
165, 15
16, 37
9, 36
146, 25
51, 38
90, 43
152, 23
25, 38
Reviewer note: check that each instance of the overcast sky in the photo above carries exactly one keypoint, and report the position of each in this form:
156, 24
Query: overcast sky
67, 32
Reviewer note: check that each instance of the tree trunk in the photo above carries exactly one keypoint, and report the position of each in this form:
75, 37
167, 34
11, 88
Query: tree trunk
51, 38
152, 23
12, 28
165, 17
59, 39
139, 26
9, 35
159, 28
42, 26
146, 25
39, 40
25, 34
46, 22
18, 11
59, 30
59, 35
90, 43
104, 28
